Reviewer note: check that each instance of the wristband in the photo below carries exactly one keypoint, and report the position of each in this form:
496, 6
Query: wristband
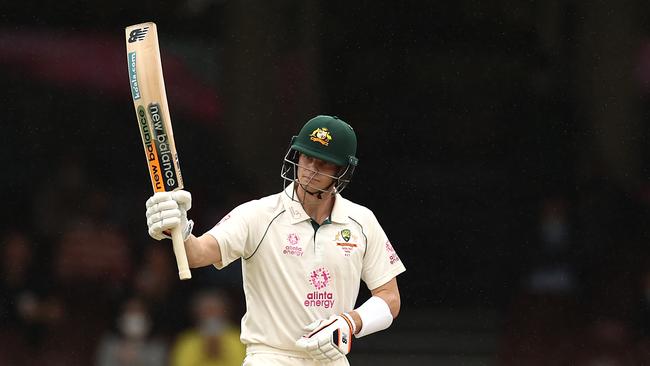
375, 316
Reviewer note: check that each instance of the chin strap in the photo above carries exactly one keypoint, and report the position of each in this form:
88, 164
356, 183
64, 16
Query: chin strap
318, 194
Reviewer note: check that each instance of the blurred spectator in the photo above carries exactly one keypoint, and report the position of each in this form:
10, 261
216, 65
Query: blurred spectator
643, 321
58, 202
552, 267
643, 350
18, 286
19, 299
545, 313
644, 311
157, 283
92, 264
213, 341
133, 343
62, 340
156, 276
92, 250
606, 342
539, 329
91, 253
32, 313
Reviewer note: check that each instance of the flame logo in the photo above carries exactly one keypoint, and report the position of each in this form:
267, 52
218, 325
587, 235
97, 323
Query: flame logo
320, 278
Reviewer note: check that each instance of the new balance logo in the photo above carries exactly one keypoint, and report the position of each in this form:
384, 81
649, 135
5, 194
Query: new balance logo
138, 34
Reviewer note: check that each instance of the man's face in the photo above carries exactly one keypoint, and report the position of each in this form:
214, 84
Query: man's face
316, 173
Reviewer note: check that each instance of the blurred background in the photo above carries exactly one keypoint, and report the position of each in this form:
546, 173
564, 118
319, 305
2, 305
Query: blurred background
503, 147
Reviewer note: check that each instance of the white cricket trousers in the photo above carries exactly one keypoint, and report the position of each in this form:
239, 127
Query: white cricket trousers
258, 355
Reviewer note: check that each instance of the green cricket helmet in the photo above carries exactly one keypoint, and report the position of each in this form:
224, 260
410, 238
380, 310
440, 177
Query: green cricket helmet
327, 138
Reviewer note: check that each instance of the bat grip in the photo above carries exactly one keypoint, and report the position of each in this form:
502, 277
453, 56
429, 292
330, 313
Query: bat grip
181, 257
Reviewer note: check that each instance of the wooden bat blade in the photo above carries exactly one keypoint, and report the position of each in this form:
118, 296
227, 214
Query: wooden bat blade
150, 101
152, 112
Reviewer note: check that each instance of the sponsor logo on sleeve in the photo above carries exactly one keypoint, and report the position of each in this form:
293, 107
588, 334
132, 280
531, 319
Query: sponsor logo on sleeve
392, 256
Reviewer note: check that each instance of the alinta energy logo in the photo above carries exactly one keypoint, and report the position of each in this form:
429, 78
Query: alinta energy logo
293, 246
320, 278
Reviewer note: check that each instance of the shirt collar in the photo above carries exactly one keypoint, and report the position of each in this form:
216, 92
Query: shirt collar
339, 211
297, 212
293, 207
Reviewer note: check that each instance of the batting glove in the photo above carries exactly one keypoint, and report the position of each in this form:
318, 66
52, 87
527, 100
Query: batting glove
167, 210
328, 339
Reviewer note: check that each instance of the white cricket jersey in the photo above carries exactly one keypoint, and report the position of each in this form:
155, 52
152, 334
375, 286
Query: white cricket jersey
294, 274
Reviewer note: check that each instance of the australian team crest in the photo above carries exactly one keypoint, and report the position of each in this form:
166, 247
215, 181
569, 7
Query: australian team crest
345, 234
345, 240
321, 135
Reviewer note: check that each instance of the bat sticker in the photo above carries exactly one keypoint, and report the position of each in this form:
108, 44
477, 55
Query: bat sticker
133, 75
138, 34
163, 148
152, 154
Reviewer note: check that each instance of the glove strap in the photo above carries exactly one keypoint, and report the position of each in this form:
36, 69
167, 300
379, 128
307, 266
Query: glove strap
350, 321
188, 229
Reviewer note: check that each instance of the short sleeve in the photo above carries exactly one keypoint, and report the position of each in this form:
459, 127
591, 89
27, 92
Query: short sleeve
233, 233
380, 262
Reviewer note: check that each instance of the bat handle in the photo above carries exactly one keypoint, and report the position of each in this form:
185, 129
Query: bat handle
181, 257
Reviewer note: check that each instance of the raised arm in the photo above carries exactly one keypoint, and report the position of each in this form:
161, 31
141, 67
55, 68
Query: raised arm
202, 251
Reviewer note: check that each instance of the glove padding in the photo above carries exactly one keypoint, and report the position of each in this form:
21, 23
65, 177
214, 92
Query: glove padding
328, 339
167, 210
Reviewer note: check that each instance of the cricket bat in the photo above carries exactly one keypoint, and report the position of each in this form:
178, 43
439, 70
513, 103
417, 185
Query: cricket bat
152, 112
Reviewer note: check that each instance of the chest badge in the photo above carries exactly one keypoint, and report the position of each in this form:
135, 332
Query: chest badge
346, 241
345, 234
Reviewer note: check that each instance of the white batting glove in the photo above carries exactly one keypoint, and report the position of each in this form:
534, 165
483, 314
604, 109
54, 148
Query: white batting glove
328, 339
167, 210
